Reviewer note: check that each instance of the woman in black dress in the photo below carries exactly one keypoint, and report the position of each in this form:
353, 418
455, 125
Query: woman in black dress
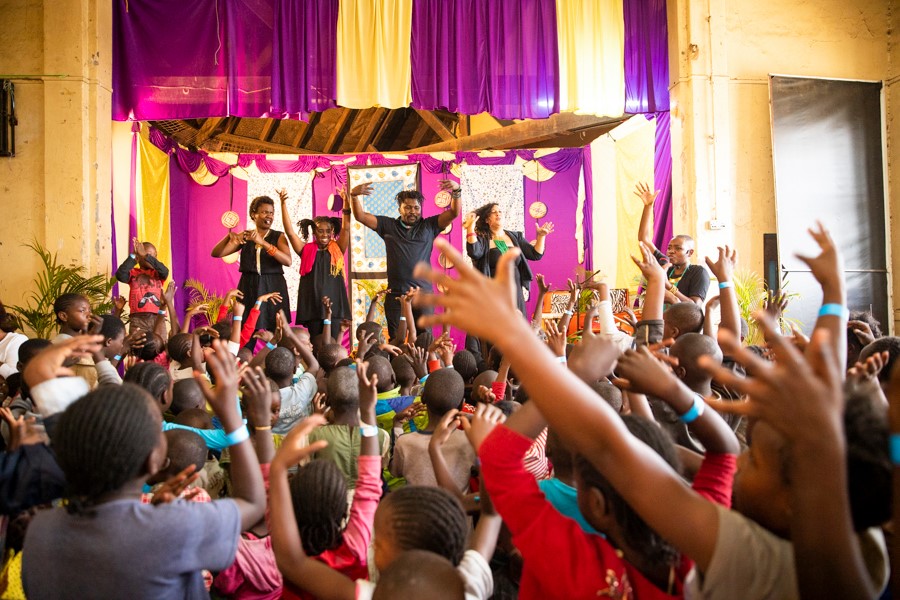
321, 266
264, 254
486, 241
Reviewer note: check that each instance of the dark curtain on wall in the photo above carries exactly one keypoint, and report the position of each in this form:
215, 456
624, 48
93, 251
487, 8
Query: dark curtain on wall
827, 153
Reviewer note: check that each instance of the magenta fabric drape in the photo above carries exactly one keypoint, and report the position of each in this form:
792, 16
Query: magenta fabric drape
304, 62
168, 60
646, 56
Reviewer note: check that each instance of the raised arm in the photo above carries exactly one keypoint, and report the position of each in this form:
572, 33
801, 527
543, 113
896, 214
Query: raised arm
484, 307
538, 317
161, 269
229, 244
359, 212
312, 365
648, 197
656, 283
828, 269
249, 490
723, 269
343, 240
294, 239
447, 217
541, 231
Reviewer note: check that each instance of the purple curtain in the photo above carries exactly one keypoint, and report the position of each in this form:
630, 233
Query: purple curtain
248, 27
449, 52
662, 178
500, 57
304, 62
169, 63
646, 56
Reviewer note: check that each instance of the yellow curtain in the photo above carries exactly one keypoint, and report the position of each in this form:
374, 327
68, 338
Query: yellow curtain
634, 163
153, 198
373, 53
591, 36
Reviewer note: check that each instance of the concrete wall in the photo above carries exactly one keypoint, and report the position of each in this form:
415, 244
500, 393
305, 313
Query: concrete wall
721, 53
56, 190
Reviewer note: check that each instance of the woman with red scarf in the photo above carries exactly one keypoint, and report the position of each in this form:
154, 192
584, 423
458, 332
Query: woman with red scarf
321, 266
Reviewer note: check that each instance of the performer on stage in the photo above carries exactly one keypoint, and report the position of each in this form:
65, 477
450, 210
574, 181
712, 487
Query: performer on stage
408, 240
321, 266
487, 241
264, 254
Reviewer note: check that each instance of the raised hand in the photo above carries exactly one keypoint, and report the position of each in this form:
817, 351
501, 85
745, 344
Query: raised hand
257, 396
368, 388
171, 489
495, 298
236, 239
544, 230
647, 263
169, 295
410, 412
262, 334
22, 431
469, 221
326, 302
139, 251
48, 364
556, 339
319, 405
119, 302
723, 267
346, 324
647, 196
363, 189
294, 448
775, 303
221, 364
827, 266
417, 357
273, 297
366, 341
448, 185
595, 356
862, 331
642, 372
486, 417
543, 288
445, 427
282, 195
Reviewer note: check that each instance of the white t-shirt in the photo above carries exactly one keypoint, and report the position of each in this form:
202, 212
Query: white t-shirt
296, 401
752, 559
9, 353
475, 571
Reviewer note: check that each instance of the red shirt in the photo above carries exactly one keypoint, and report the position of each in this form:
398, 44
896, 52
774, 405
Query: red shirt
145, 290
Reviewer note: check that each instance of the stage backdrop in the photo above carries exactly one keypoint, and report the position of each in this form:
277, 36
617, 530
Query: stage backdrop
201, 187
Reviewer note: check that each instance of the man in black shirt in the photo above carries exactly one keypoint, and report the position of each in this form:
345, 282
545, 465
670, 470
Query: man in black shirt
408, 240
685, 282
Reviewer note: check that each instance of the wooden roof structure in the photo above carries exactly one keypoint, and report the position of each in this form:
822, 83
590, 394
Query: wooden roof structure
402, 130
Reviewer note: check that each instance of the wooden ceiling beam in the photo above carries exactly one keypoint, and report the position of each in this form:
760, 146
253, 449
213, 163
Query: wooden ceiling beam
385, 125
268, 129
339, 130
419, 134
436, 124
521, 134
259, 145
463, 127
308, 131
375, 118
207, 129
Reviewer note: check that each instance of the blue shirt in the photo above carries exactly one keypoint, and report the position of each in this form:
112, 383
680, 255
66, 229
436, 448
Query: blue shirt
564, 499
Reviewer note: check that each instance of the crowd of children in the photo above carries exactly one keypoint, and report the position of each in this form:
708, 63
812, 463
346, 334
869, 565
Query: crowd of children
252, 459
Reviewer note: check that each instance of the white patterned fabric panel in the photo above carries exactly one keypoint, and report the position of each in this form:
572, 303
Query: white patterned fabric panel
502, 184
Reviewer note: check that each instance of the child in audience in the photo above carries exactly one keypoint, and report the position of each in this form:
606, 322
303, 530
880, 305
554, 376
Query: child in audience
443, 392
186, 395
184, 449
73, 316
733, 551
422, 574
343, 432
296, 397
155, 379
10, 341
144, 275
108, 443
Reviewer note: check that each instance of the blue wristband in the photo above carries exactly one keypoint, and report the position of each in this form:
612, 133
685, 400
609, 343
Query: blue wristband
326, 321
562, 359
695, 412
118, 357
162, 312
270, 346
725, 284
132, 256
237, 318
423, 379
237, 436
895, 448
835, 310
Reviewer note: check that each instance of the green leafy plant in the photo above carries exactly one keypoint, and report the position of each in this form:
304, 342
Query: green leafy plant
751, 291
53, 281
199, 294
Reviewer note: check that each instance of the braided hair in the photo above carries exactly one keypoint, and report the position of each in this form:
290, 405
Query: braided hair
319, 496
427, 518
635, 530
306, 224
154, 379
64, 303
102, 441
